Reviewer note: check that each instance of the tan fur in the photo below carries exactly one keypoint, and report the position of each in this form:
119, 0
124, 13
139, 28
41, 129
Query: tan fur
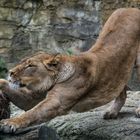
80, 82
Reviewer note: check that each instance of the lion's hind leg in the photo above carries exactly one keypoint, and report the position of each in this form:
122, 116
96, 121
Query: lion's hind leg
113, 111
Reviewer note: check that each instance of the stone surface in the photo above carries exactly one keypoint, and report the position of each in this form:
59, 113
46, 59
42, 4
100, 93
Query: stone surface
88, 125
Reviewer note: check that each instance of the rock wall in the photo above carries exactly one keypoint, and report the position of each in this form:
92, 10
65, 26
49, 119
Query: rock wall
27, 26
108, 6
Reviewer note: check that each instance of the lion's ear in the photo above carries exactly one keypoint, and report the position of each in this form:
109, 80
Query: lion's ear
52, 64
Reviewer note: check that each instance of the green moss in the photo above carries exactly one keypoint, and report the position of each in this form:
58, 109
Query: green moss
69, 51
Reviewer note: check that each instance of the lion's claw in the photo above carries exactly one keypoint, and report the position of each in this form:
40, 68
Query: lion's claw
110, 115
8, 127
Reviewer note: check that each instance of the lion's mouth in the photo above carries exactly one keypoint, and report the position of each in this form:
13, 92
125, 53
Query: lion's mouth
15, 84
22, 85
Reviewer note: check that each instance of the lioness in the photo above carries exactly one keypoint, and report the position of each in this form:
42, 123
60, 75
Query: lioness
60, 83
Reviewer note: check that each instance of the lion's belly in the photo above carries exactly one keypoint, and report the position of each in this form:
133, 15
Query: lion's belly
95, 99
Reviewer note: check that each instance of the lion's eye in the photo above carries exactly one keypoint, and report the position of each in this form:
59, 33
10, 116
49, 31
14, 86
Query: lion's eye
30, 65
52, 65
30, 69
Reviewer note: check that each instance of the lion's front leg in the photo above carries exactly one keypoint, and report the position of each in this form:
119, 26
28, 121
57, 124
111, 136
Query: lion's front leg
11, 125
3, 83
22, 97
56, 103
44, 111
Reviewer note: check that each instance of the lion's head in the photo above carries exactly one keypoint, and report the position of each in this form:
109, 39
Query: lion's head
40, 72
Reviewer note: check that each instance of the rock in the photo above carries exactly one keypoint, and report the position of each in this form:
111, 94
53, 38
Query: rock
12, 3
108, 6
41, 132
47, 133
20, 44
6, 31
52, 26
87, 126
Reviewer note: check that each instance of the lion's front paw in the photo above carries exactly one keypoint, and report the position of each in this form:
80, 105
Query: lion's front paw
138, 112
110, 115
3, 83
8, 126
